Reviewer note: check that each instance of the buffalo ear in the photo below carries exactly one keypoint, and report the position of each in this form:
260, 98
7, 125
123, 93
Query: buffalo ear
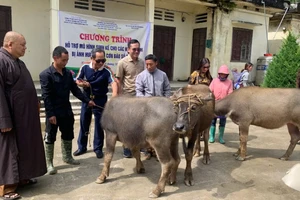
209, 97
176, 94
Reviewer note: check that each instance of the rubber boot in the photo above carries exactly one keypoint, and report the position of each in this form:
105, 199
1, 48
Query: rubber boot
49, 151
221, 134
66, 149
212, 132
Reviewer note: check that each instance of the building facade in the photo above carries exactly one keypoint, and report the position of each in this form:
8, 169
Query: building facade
182, 31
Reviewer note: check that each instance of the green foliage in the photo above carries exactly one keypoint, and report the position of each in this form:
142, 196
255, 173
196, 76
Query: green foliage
282, 71
225, 6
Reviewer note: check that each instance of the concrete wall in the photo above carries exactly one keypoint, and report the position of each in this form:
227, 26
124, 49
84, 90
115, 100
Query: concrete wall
32, 20
136, 10
38, 21
184, 34
290, 23
222, 40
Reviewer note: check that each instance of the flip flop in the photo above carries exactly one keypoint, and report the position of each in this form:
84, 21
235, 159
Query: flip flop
11, 195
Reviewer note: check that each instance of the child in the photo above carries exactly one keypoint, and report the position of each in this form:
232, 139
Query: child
220, 87
236, 75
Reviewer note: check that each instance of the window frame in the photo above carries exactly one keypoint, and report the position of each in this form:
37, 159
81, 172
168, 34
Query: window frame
240, 35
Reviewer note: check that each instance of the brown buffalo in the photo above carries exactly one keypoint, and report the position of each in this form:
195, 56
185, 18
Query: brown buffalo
269, 108
195, 111
137, 122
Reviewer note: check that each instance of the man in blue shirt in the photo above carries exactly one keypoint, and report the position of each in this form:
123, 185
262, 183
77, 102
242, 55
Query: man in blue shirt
94, 78
56, 83
152, 81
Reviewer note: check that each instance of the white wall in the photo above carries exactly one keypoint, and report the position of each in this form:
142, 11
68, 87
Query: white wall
183, 35
126, 10
290, 23
222, 41
31, 18
114, 10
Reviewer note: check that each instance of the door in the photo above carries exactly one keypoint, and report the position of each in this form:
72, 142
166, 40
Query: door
5, 22
163, 48
198, 48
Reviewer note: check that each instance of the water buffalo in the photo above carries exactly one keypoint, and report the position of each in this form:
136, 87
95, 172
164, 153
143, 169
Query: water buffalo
269, 108
195, 111
137, 122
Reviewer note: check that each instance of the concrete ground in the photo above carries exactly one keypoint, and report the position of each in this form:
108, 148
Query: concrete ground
259, 177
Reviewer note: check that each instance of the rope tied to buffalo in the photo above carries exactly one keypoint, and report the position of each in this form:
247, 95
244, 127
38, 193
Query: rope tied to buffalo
194, 99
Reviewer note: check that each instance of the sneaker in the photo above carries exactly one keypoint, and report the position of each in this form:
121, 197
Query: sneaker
127, 153
99, 154
78, 152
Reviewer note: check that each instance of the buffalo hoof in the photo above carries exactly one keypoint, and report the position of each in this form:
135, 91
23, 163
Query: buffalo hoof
283, 158
100, 180
236, 154
197, 154
141, 171
206, 161
172, 181
189, 182
154, 194
239, 158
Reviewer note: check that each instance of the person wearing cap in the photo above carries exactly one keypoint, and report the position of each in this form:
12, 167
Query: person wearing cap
94, 77
220, 87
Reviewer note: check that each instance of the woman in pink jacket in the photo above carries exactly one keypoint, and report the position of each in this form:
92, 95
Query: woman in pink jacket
220, 87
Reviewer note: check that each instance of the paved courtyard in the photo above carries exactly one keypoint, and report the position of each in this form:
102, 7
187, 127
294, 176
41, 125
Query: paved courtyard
259, 177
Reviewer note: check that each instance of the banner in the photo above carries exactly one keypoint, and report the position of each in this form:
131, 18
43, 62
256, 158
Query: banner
79, 34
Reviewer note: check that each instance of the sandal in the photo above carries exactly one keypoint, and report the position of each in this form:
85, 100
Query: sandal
11, 195
28, 182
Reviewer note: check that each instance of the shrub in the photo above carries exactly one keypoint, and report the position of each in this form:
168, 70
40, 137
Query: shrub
282, 71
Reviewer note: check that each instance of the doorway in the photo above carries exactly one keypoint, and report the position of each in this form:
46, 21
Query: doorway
163, 48
198, 48
5, 22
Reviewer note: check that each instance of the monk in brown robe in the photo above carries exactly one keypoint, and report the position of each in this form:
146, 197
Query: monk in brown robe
22, 155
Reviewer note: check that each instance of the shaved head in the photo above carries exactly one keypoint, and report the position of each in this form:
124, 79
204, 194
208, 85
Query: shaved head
14, 43
11, 36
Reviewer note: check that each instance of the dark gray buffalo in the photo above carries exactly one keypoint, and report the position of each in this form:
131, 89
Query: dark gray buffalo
195, 111
138, 122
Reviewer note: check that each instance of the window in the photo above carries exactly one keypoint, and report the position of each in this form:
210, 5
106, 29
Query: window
241, 45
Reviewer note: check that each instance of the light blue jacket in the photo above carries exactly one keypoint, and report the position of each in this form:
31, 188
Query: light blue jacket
152, 84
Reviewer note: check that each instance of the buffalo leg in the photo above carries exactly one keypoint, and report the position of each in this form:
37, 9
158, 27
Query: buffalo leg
188, 175
244, 130
139, 164
176, 157
206, 156
167, 162
197, 148
295, 136
111, 140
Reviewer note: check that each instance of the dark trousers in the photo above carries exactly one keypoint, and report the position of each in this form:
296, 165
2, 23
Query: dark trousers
222, 121
65, 125
85, 121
